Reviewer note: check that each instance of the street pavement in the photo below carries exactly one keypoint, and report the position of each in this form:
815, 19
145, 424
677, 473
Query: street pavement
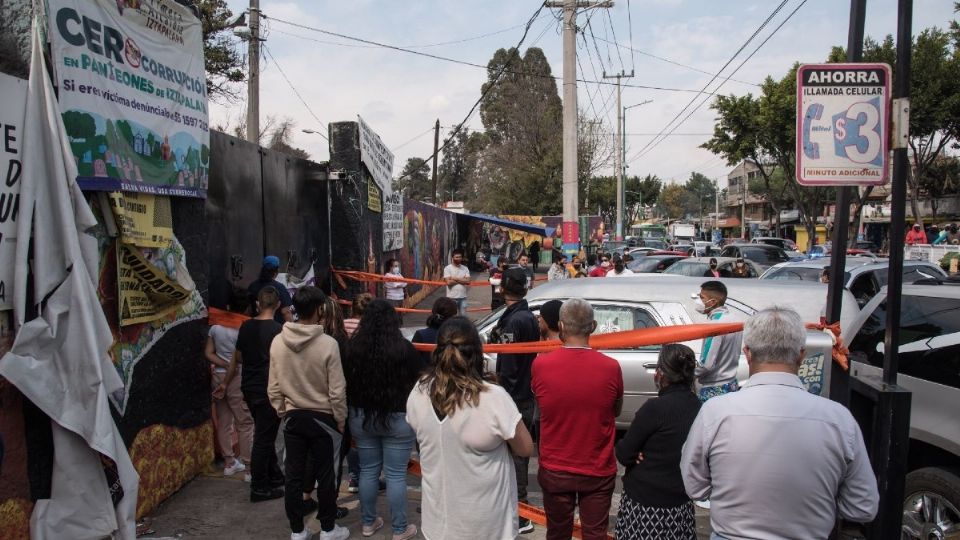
213, 506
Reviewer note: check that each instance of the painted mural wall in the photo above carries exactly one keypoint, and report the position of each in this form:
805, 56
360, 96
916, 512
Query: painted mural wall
429, 235
501, 241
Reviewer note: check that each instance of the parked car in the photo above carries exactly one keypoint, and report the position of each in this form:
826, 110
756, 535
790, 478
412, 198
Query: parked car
654, 300
653, 264
929, 367
862, 276
698, 266
683, 246
788, 246
654, 243
641, 251
762, 255
703, 249
866, 246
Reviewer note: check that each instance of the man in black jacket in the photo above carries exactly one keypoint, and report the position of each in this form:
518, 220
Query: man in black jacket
517, 325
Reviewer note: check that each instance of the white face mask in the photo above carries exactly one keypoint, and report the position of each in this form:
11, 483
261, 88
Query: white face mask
396, 269
699, 305
605, 264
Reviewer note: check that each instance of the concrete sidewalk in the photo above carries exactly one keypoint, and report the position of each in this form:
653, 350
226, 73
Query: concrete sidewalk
216, 507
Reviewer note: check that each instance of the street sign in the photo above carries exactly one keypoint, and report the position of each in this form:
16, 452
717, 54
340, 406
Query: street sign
843, 116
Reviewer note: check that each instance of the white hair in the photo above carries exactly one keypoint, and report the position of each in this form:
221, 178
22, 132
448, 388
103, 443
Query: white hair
576, 314
775, 335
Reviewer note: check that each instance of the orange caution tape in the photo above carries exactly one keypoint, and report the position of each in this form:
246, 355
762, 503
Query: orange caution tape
227, 319
367, 276
527, 511
416, 310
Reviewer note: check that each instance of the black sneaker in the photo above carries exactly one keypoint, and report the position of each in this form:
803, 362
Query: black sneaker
309, 505
383, 485
342, 512
257, 495
526, 526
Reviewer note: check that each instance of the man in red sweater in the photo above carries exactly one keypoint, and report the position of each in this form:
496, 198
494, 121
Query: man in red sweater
580, 394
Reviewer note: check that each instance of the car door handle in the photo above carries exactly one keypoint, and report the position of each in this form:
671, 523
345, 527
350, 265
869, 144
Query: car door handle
650, 365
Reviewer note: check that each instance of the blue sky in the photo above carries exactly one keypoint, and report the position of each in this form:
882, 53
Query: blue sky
401, 95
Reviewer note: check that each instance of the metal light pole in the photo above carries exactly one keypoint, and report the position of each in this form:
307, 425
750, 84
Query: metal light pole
623, 147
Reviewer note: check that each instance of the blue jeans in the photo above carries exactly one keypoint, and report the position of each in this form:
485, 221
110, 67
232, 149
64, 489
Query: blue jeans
387, 449
461, 305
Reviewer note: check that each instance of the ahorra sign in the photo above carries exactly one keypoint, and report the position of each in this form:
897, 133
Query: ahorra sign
843, 116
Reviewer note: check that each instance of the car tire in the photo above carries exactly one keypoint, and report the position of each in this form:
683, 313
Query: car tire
942, 487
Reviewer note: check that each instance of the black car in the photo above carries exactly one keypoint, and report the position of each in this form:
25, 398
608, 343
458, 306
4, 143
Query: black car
653, 264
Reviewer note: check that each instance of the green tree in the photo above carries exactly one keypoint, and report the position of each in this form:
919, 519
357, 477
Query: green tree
452, 171
223, 62
673, 201
763, 130
700, 193
940, 178
415, 180
79, 125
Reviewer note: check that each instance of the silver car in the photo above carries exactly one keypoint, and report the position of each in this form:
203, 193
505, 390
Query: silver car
930, 368
654, 300
863, 276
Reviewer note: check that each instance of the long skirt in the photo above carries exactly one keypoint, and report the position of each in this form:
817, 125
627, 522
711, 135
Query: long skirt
638, 522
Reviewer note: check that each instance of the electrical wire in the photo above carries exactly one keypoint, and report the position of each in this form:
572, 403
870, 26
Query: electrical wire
493, 83
461, 62
394, 149
633, 59
294, 88
613, 32
745, 60
655, 140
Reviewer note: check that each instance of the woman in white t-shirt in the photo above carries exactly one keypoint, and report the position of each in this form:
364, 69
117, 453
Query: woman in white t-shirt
467, 427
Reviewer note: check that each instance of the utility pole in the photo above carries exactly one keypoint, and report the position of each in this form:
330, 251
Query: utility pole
436, 150
253, 78
570, 236
743, 208
619, 151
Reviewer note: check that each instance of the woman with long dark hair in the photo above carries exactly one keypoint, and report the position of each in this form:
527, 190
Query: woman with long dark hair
467, 427
381, 369
654, 502
443, 309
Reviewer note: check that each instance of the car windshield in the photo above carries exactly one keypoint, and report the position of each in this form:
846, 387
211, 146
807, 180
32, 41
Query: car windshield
796, 273
764, 256
647, 264
688, 268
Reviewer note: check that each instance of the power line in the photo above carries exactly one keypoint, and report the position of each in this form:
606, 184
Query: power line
756, 32
614, 33
674, 62
294, 88
745, 60
633, 60
455, 61
489, 87
394, 149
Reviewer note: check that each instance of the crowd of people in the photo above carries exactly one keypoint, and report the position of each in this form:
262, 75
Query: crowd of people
770, 459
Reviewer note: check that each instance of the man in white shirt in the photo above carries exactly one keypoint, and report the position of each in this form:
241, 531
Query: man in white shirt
619, 269
720, 355
457, 276
776, 461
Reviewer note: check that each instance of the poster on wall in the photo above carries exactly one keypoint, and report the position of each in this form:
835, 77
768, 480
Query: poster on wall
133, 94
376, 156
12, 108
373, 198
144, 220
393, 221
147, 293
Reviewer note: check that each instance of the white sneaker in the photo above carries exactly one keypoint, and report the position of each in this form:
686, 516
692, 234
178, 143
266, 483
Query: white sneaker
247, 478
305, 534
237, 466
705, 504
337, 533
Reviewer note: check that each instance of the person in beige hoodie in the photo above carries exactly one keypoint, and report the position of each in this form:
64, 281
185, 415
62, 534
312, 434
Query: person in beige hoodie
307, 388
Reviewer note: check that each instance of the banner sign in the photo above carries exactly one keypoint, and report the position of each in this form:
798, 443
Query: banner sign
147, 292
393, 221
843, 115
376, 156
373, 197
133, 94
144, 220
12, 109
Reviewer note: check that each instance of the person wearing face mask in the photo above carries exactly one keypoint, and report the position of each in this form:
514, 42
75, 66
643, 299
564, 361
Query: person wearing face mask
720, 355
602, 268
395, 290
713, 271
916, 235
654, 503
619, 269
740, 269
575, 269
558, 270
953, 235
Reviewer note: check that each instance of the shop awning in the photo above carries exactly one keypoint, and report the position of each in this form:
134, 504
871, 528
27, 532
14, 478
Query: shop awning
728, 222
541, 230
